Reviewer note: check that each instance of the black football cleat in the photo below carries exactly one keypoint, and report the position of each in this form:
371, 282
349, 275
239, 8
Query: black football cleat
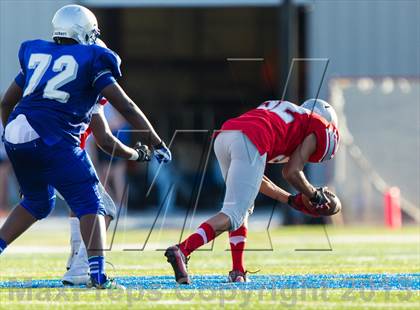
237, 276
179, 264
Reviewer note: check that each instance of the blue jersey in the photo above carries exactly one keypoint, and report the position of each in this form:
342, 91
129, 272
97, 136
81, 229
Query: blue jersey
61, 84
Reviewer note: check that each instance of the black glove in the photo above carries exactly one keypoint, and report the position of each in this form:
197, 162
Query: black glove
319, 198
143, 151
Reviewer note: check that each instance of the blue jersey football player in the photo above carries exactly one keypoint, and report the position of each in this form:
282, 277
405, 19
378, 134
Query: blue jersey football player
45, 110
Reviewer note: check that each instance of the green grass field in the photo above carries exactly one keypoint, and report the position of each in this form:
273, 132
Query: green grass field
354, 251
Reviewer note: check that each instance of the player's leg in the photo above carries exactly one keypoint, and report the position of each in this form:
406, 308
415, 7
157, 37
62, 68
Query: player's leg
203, 233
76, 241
237, 241
93, 232
237, 238
38, 197
75, 238
18, 221
78, 265
4, 180
243, 180
220, 222
78, 183
78, 251
242, 186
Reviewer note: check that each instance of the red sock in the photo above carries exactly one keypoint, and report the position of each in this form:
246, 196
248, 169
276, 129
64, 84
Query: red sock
237, 241
204, 234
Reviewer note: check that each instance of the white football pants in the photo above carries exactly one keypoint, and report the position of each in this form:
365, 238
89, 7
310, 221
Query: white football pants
242, 168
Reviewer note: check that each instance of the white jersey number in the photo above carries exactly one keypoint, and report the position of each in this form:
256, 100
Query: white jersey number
283, 109
66, 65
40, 63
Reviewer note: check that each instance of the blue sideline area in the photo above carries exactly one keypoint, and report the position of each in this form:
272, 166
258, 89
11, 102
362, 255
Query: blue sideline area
410, 281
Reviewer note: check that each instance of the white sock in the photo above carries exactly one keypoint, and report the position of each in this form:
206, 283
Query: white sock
76, 236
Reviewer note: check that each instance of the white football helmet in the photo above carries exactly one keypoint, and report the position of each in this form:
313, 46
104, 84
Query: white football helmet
323, 109
75, 22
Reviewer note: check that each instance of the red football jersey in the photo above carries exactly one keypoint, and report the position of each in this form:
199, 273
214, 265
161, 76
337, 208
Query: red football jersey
279, 127
84, 136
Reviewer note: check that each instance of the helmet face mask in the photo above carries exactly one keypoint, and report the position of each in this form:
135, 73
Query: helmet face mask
323, 109
91, 37
75, 22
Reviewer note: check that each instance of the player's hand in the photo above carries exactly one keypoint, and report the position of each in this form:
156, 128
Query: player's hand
320, 198
143, 151
296, 202
162, 153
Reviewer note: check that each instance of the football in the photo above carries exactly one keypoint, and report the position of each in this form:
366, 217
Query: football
333, 207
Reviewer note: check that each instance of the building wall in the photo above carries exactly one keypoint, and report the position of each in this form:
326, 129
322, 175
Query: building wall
19, 21
360, 38
374, 39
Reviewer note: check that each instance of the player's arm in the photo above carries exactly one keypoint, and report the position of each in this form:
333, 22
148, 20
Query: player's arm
293, 173
106, 141
273, 191
293, 169
10, 99
105, 71
130, 111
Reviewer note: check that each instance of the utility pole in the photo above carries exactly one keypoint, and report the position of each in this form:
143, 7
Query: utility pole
287, 49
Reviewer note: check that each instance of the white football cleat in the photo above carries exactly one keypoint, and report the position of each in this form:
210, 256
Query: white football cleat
78, 273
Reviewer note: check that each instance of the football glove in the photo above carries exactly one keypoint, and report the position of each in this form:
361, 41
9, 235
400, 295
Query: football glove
162, 153
319, 198
143, 151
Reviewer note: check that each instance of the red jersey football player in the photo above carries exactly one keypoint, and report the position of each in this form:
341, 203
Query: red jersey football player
77, 264
275, 132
